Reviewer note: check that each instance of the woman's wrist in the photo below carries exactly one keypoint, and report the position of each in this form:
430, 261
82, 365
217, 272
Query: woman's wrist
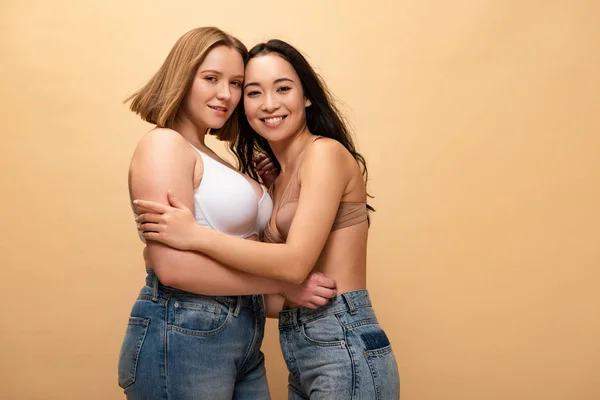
283, 286
201, 237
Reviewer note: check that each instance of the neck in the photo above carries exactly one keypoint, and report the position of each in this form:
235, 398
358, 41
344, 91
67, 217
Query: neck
191, 132
288, 150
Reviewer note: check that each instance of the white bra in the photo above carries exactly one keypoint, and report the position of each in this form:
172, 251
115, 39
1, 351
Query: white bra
226, 202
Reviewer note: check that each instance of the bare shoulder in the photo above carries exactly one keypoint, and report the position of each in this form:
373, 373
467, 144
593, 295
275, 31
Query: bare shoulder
326, 159
162, 150
326, 150
161, 138
162, 160
162, 144
331, 153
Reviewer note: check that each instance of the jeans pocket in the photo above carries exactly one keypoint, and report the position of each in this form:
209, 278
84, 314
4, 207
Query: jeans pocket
384, 370
201, 316
324, 331
383, 366
130, 350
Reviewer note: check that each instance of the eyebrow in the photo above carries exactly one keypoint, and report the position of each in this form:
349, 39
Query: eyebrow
275, 81
214, 71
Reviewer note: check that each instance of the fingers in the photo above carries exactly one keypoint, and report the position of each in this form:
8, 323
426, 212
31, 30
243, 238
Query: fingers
263, 164
272, 173
259, 157
326, 282
149, 223
260, 161
315, 302
151, 236
269, 170
174, 201
321, 280
318, 301
266, 165
151, 205
150, 227
152, 218
141, 210
325, 292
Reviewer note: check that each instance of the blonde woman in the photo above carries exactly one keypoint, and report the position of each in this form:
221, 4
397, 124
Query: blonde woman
196, 328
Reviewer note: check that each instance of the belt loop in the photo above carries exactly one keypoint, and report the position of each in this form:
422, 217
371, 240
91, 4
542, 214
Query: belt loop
238, 304
258, 304
295, 319
155, 288
263, 305
350, 304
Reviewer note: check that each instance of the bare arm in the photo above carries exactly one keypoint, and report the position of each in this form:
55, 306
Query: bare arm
324, 176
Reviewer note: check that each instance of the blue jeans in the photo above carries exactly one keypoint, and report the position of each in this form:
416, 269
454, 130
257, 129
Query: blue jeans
338, 351
180, 345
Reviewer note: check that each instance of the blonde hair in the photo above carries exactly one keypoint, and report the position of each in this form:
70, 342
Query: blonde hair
159, 100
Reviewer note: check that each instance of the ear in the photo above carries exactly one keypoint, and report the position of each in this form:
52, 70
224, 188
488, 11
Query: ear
307, 102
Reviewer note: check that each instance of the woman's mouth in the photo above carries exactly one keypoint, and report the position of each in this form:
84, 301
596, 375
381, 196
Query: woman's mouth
218, 109
273, 122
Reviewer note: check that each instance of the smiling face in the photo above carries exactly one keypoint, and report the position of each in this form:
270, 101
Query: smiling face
274, 101
216, 89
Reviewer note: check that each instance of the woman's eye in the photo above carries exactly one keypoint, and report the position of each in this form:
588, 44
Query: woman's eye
211, 78
284, 89
237, 84
253, 93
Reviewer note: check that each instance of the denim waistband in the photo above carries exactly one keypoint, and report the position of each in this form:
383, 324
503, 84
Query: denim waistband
345, 302
160, 291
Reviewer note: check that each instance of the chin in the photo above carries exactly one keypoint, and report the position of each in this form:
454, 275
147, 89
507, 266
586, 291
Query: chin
217, 123
274, 138
269, 136
216, 126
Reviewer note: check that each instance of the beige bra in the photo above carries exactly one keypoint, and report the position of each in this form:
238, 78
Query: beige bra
348, 214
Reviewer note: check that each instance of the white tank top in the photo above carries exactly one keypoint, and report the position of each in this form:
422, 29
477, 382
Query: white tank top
226, 202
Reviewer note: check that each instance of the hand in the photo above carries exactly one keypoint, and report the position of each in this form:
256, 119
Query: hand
174, 226
265, 168
314, 292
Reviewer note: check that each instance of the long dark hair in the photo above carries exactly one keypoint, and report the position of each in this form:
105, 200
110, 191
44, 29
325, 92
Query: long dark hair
322, 118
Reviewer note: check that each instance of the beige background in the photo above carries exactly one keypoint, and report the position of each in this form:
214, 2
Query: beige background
480, 123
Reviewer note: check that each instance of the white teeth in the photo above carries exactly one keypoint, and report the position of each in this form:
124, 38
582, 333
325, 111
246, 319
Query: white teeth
218, 108
273, 120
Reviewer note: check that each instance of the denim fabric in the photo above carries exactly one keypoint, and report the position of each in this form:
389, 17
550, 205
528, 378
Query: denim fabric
180, 345
338, 351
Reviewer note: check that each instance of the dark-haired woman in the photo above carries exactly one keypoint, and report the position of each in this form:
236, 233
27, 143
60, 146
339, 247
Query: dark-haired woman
319, 223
